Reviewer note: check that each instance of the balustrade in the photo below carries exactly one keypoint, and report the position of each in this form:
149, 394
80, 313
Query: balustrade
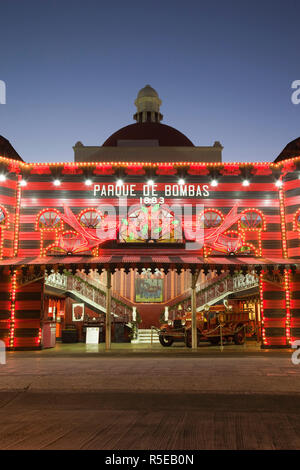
89, 291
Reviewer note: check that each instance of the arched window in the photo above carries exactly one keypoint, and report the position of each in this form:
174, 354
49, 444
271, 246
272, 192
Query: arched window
251, 225
208, 219
3, 225
211, 218
49, 219
3, 217
232, 240
248, 249
252, 219
54, 250
91, 218
296, 221
50, 224
68, 243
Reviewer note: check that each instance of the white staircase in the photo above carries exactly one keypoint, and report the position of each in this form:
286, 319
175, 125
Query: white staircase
144, 337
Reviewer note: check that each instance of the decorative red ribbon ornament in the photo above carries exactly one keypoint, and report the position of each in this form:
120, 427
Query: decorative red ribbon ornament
198, 170
166, 170
230, 170
71, 170
13, 167
261, 170
104, 170
40, 170
135, 170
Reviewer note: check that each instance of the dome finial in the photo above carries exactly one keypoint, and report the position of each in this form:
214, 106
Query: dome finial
148, 105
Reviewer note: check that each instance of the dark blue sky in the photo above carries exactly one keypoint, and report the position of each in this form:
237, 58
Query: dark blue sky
222, 68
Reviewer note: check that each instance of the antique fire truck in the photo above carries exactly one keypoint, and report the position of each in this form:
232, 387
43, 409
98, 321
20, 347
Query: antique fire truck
212, 323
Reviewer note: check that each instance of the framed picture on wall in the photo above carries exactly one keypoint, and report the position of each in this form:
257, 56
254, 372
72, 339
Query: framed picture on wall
148, 288
77, 312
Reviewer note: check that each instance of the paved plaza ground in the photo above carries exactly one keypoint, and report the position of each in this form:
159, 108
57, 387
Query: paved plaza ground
79, 397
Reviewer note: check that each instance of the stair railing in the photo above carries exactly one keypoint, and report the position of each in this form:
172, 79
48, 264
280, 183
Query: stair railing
156, 329
85, 290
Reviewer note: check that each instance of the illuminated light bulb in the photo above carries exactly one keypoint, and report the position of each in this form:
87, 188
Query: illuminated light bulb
214, 183
246, 183
2, 177
150, 182
88, 182
279, 183
56, 183
181, 181
23, 183
119, 182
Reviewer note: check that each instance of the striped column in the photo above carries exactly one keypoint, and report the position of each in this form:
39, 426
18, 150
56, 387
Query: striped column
295, 306
5, 304
273, 311
28, 313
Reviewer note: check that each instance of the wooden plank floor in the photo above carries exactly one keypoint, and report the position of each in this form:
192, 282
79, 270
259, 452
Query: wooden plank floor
157, 403
35, 423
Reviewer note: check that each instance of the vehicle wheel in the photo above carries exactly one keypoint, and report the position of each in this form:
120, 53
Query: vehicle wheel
239, 337
166, 341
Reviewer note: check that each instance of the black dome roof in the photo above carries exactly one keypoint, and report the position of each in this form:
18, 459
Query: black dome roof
291, 150
7, 150
166, 136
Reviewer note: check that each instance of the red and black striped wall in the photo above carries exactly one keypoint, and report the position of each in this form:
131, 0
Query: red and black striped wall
273, 303
8, 195
262, 195
28, 311
292, 215
40, 193
295, 306
5, 305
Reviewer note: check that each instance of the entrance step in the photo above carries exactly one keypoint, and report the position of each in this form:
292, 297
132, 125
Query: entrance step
144, 337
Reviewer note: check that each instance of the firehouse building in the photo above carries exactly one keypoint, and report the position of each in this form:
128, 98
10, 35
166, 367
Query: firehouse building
137, 232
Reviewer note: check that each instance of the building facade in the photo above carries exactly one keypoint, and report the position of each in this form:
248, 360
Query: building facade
118, 242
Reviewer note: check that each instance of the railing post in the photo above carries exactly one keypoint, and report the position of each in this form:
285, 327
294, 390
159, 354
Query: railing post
166, 313
221, 338
108, 311
2, 352
194, 311
257, 328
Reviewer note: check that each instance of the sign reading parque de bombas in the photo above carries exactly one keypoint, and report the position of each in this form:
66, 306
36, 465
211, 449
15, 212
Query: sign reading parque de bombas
151, 190
152, 206
166, 212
